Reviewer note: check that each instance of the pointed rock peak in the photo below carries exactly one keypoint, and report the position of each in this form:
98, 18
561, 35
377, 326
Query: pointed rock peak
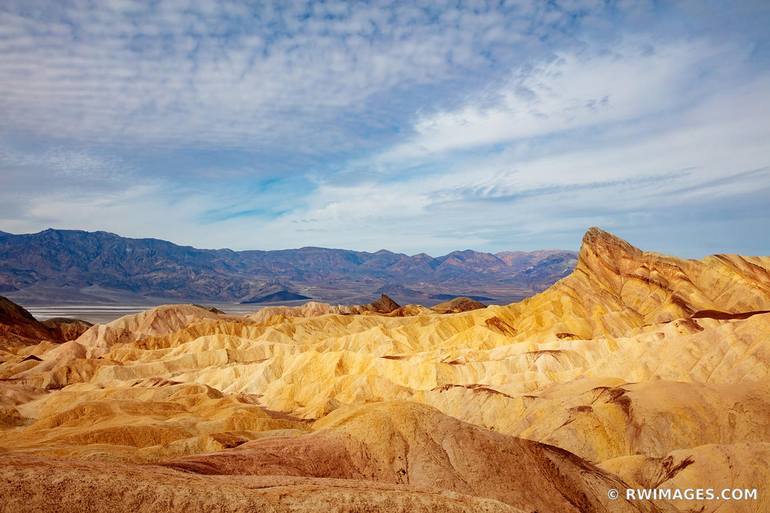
606, 257
385, 304
602, 244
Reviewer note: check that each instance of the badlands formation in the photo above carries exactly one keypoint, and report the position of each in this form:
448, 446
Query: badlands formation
637, 370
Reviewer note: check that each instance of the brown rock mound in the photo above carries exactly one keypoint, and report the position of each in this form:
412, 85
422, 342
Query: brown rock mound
19, 327
457, 305
383, 305
411, 444
67, 329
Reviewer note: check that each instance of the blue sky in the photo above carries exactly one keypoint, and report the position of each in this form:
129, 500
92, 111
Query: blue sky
415, 126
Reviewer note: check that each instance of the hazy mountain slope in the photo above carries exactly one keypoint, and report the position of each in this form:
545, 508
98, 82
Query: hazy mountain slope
72, 265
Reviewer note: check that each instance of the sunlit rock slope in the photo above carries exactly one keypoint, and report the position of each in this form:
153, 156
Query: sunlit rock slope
631, 365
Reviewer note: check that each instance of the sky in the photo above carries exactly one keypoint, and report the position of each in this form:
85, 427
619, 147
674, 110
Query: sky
416, 126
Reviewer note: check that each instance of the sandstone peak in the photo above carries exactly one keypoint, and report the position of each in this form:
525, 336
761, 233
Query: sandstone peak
384, 304
603, 243
606, 258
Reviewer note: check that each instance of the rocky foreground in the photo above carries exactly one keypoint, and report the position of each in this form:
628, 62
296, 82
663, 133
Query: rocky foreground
637, 370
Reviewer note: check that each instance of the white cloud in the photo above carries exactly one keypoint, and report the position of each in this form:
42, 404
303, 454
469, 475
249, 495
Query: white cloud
655, 150
572, 91
216, 73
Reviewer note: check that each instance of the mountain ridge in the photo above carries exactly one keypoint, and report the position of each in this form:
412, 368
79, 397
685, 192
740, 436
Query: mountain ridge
72, 264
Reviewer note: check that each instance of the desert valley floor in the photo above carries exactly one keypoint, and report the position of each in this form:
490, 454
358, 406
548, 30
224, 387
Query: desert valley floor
636, 370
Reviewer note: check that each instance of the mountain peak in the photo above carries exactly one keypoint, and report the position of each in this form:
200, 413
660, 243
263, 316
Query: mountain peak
598, 243
384, 304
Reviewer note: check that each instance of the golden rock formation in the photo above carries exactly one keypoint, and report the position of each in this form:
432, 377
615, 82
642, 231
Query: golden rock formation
616, 376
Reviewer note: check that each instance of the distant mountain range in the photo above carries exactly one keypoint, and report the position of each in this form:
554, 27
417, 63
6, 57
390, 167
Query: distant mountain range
72, 266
